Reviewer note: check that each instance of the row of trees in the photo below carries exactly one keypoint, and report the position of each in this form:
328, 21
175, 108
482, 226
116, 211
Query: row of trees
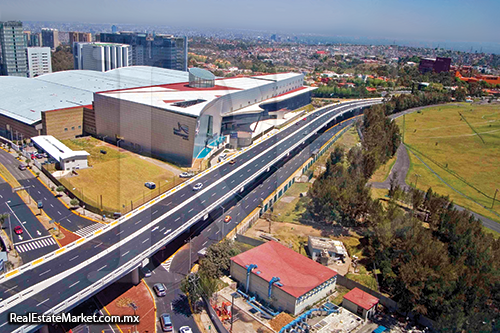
337, 92
447, 269
433, 259
340, 194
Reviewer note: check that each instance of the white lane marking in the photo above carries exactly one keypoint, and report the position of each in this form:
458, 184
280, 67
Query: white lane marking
155, 228
11, 289
246, 206
125, 253
74, 284
203, 201
51, 205
136, 223
42, 302
45, 272
119, 233
177, 219
59, 212
156, 211
98, 245
214, 194
204, 243
183, 194
145, 240
224, 187
162, 229
166, 232
232, 181
190, 210
103, 267
74, 258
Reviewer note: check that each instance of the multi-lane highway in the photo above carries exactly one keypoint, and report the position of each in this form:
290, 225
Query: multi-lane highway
57, 282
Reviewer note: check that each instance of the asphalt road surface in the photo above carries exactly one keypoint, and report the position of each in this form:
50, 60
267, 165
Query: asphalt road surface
54, 208
79, 268
34, 241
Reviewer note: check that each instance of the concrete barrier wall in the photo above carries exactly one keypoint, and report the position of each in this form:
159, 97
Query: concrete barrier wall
248, 240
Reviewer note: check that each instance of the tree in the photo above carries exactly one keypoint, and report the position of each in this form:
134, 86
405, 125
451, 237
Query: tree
74, 202
218, 259
60, 189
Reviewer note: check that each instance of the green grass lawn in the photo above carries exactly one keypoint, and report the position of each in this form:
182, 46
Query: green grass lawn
118, 176
447, 144
381, 174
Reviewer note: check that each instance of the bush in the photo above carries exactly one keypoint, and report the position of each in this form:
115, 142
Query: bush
74, 202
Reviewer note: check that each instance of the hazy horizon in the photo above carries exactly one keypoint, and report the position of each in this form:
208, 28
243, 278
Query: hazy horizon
439, 21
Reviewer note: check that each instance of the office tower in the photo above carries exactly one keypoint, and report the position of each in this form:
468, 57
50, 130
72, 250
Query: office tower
79, 37
114, 29
35, 39
50, 38
157, 50
13, 59
39, 61
101, 56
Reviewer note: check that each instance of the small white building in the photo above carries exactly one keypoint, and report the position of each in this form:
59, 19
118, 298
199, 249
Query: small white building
361, 303
66, 158
317, 245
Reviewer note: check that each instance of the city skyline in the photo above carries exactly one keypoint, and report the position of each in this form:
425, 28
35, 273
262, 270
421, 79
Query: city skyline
444, 20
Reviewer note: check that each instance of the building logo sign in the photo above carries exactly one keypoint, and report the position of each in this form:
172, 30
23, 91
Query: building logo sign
182, 131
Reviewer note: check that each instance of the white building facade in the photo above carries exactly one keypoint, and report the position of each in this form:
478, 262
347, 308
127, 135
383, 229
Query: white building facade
39, 61
101, 56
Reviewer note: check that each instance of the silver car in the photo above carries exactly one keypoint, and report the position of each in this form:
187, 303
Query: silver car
197, 187
160, 289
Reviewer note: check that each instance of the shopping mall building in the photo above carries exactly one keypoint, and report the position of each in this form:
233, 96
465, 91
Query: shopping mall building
173, 115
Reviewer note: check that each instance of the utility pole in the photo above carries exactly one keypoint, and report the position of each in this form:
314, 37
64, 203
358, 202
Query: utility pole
494, 197
417, 176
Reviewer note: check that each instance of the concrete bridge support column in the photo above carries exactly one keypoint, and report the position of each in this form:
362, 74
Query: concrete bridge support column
135, 276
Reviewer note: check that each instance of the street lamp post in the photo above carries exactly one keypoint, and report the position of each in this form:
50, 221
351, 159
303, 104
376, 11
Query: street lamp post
10, 225
233, 296
222, 235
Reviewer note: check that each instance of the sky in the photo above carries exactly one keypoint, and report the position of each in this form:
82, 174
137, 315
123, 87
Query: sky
427, 20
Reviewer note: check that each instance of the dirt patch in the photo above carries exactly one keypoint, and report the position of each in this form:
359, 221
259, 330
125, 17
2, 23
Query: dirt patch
287, 199
280, 320
68, 238
116, 300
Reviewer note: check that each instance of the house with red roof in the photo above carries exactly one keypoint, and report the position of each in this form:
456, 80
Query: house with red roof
361, 303
282, 277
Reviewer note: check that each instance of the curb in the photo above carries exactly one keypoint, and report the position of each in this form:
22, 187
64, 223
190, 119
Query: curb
153, 298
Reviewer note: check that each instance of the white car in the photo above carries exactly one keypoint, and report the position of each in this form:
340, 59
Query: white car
197, 187
185, 329
186, 174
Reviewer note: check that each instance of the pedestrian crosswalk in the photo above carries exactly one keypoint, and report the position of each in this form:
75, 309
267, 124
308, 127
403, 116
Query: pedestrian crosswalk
35, 244
166, 264
88, 230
